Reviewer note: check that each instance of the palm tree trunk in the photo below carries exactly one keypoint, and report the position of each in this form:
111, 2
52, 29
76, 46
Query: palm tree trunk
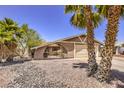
92, 65
107, 53
3, 54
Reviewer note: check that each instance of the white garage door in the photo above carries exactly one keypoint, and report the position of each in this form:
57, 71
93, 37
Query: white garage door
80, 51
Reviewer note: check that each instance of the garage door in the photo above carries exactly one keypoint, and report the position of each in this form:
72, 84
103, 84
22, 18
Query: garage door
80, 51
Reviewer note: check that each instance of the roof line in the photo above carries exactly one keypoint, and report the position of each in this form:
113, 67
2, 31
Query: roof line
63, 40
69, 37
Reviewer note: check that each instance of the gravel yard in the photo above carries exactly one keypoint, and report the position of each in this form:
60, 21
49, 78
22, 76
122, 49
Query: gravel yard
60, 73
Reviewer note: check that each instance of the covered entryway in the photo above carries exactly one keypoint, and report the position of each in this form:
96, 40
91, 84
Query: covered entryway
55, 51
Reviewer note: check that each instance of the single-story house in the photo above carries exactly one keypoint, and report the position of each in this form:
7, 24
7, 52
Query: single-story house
119, 48
71, 47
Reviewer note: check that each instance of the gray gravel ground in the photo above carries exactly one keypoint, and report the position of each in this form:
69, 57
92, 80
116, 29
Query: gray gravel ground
60, 73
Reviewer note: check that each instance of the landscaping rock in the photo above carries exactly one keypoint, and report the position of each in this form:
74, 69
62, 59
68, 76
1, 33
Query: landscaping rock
54, 73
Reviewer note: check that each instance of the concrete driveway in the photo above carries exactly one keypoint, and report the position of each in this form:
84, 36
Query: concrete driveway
118, 64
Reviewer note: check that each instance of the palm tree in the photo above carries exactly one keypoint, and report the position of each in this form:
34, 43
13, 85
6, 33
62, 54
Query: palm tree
84, 18
27, 38
112, 13
22, 39
7, 30
34, 39
15, 40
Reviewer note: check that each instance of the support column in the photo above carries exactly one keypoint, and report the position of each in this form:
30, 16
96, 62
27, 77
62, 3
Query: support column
97, 52
74, 50
117, 50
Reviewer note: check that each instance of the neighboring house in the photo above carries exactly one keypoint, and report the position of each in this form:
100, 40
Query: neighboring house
71, 47
119, 50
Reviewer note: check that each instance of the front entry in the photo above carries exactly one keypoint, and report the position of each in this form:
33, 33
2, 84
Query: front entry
55, 51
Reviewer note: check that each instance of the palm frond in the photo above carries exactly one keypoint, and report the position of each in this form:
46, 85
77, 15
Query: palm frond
78, 21
122, 12
103, 10
73, 9
97, 19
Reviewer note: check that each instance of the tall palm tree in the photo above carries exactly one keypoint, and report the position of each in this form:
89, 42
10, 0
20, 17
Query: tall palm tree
7, 30
84, 18
112, 13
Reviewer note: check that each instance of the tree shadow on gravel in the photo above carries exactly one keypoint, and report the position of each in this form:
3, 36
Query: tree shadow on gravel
115, 75
80, 65
120, 86
54, 58
11, 63
118, 75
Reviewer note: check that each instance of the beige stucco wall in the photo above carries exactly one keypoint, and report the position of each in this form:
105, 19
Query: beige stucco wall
80, 51
38, 54
70, 49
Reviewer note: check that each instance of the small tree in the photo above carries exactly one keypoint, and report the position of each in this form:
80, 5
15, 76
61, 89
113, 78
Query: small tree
27, 38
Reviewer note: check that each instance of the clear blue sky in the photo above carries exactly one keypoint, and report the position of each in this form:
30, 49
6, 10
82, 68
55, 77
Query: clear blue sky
50, 21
